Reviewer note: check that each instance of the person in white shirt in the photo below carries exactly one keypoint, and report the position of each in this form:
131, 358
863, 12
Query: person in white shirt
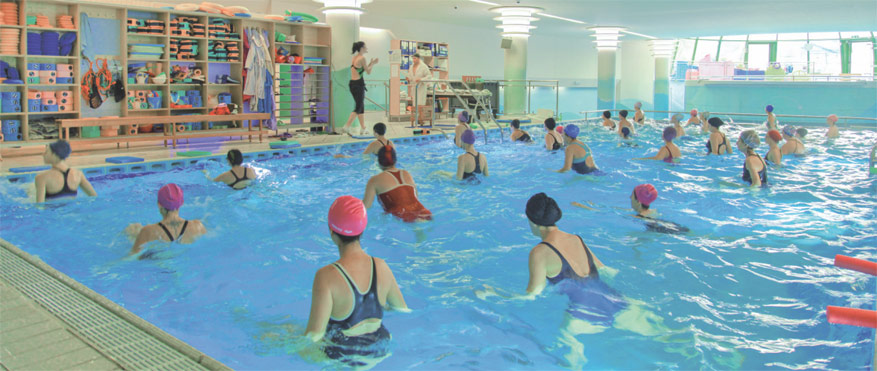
418, 72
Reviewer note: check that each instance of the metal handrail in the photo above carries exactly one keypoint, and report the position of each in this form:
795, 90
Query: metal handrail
845, 118
416, 111
386, 86
530, 86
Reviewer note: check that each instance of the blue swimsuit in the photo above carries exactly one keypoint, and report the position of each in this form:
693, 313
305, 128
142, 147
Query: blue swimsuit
581, 166
238, 180
64, 192
591, 299
477, 167
365, 306
761, 174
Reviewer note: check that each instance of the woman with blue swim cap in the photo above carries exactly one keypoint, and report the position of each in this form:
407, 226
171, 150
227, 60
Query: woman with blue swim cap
771, 118
669, 153
578, 155
754, 167
61, 181
793, 146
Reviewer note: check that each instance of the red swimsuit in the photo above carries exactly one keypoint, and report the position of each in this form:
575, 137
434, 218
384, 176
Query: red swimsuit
402, 202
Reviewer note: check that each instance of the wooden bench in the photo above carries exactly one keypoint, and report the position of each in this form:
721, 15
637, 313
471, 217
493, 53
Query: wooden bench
170, 132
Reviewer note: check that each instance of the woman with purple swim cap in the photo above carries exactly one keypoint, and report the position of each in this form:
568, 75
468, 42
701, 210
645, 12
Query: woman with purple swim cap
472, 162
669, 153
61, 181
639, 117
462, 125
578, 154
771, 118
171, 227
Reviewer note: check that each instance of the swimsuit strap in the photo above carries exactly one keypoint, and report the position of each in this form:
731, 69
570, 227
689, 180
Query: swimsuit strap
183, 230
166, 231
382, 143
397, 174
592, 267
353, 285
477, 162
587, 153
374, 279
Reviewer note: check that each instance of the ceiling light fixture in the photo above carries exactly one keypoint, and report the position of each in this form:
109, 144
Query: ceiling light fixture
663, 48
560, 18
639, 34
606, 38
343, 6
516, 19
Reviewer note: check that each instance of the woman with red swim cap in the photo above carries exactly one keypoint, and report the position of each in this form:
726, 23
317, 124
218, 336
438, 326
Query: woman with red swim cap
349, 296
395, 189
171, 227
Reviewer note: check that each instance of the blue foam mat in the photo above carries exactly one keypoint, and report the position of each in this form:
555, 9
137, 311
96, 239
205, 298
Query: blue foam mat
28, 169
361, 137
278, 145
123, 159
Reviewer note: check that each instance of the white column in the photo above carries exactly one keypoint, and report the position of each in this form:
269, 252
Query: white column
343, 17
515, 68
606, 39
663, 50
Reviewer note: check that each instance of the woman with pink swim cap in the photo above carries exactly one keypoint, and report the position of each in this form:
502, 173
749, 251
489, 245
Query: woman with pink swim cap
833, 131
349, 296
171, 227
694, 119
642, 196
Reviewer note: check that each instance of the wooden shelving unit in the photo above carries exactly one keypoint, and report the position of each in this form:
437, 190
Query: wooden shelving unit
316, 42
436, 58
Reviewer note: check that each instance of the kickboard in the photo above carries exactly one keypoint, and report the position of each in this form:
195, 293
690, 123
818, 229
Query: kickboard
28, 169
283, 144
194, 153
362, 137
123, 159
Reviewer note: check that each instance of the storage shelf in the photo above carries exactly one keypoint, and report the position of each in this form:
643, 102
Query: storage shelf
188, 60
134, 34
34, 28
146, 60
209, 61
188, 109
185, 85
222, 39
148, 110
5, 114
144, 85
53, 85
187, 37
223, 85
13, 55
53, 113
50, 57
11, 26
316, 45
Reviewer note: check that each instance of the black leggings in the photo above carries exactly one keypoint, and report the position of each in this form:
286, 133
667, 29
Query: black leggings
357, 88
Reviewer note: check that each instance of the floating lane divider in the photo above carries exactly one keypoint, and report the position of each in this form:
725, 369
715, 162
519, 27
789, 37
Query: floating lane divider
853, 316
859, 265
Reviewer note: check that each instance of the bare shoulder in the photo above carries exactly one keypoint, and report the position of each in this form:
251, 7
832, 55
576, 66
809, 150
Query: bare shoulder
382, 265
198, 225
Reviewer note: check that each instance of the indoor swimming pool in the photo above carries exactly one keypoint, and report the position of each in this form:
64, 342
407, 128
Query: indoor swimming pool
745, 288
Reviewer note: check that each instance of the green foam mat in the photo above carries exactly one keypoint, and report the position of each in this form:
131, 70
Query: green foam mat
194, 153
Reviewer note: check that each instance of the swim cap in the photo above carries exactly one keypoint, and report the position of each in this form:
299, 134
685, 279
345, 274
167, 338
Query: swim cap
347, 216
694, 112
833, 118
625, 131
669, 133
775, 135
468, 137
645, 194
769, 108
170, 197
543, 210
676, 117
571, 130
802, 132
60, 148
463, 116
750, 138
559, 129
789, 130
715, 122
638, 105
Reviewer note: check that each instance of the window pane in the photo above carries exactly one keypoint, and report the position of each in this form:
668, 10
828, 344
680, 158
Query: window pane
709, 38
862, 58
792, 53
855, 35
759, 56
706, 48
825, 57
732, 51
684, 50
792, 36
823, 35
735, 38
763, 37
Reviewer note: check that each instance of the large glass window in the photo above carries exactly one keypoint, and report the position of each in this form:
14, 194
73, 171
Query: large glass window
824, 36
763, 37
759, 56
792, 54
800, 36
735, 38
706, 48
825, 57
732, 51
685, 50
862, 58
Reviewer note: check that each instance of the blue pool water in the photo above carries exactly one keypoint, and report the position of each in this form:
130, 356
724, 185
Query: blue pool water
745, 289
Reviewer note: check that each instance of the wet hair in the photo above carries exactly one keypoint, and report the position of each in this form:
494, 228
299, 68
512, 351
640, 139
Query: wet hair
380, 128
543, 210
357, 46
516, 124
386, 156
607, 114
235, 157
550, 123
345, 240
623, 113
625, 131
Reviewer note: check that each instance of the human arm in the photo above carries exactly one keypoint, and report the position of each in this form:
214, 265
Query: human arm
368, 67
567, 161
484, 168
40, 184
395, 300
321, 306
536, 264
369, 149
370, 192
147, 234
460, 168
753, 174
662, 153
86, 186
548, 144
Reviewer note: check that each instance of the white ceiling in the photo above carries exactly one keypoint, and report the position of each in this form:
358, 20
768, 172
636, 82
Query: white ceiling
659, 18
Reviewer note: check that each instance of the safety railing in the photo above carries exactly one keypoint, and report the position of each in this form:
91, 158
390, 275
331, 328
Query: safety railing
459, 94
384, 86
848, 121
776, 71
530, 85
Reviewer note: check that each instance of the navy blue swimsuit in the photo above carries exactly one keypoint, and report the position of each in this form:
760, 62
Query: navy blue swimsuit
477, 167
365, 306
591, 299
64, 192
556, 144
761, 174
581, 165
168, 232
525, 137
238, 180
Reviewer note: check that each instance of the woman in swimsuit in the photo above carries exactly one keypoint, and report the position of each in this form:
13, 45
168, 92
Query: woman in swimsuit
754, 168
793, 145
718, 142
578, 154
380, 141
607, 120
519, 135
774, 154
553, 140
395, 189
462, 125
171, 228
642, 196
638, 117
833, 131
349, 296
669, 153
358, 68
680, 131
61, 181
472, 162
623, 123
239, 177
771, 118
694, 120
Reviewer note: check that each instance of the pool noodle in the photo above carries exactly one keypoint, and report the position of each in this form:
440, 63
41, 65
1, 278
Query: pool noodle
852, 316
859, 265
